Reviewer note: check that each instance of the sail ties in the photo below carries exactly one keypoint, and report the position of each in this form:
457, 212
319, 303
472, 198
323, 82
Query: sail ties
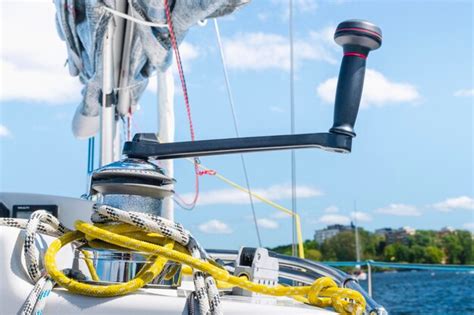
134, 19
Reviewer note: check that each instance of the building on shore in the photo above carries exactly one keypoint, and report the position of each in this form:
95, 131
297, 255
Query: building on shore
396, 235
330, 231
446, 230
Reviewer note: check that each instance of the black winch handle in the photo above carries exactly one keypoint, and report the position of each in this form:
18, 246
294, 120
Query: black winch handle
357, 38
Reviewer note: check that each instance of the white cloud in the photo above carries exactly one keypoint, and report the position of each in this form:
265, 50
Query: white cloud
281, 215
262, 16
469, 226
4, 131
264, 51
267, 223
188, 53
37, 85
463, 202
215, 227
399, 209
331, 209
334, 219
233, 196
464, 92
378, 91
305, 5
32, 62
361, 216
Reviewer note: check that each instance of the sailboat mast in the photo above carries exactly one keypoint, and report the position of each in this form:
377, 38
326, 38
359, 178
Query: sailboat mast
107, 110
110, 141
356, 230
166, 127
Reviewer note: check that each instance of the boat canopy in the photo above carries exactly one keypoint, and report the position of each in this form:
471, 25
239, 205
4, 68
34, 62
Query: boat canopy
139, 50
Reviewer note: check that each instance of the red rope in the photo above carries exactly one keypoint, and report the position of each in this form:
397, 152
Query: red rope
174, 44
129, 124
207, 172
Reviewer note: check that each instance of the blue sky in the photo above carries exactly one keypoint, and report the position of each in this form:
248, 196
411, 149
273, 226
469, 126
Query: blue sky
412, 159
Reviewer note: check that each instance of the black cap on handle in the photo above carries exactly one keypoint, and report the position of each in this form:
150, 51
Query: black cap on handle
357, 38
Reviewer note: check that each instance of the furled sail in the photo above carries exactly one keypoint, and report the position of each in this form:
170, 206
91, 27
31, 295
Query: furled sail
141, 49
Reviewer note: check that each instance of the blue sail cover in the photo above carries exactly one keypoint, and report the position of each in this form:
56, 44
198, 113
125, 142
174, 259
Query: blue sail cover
83, 24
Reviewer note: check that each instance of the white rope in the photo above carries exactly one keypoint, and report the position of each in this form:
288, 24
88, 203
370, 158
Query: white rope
43, 222
30, 304
134, 19
29, 249
43, 295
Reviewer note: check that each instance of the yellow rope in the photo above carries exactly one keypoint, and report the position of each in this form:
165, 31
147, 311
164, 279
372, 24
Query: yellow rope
146, 274
299, 234
324, 291
90, 265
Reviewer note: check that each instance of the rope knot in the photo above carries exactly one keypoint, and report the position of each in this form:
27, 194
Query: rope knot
314, 294
207, 172
324, 292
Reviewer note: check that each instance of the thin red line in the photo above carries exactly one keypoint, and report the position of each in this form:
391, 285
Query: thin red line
360, 30
354, 54
174, 45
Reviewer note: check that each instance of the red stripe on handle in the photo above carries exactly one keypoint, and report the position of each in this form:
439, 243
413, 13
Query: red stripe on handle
354, 54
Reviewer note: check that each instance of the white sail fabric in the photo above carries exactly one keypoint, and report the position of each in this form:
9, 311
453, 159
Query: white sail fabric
82, 25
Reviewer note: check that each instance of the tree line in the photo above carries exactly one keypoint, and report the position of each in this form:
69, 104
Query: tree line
431, 247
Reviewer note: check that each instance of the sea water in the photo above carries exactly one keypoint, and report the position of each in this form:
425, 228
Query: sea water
424, 292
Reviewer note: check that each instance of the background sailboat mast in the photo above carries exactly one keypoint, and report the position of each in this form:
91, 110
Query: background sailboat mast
356, 231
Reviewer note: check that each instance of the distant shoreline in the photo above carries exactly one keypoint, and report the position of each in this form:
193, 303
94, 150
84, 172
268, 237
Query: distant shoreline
445, 247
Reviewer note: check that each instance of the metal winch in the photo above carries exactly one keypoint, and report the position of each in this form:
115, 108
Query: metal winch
131, 184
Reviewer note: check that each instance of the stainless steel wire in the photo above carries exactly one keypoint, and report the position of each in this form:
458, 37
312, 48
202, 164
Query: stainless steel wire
236, 129
293, 127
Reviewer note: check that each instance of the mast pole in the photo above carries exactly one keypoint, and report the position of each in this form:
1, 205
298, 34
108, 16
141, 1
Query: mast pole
107, 109
110, 137
166, 127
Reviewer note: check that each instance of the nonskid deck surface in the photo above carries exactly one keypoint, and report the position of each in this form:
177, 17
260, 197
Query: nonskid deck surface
15, 287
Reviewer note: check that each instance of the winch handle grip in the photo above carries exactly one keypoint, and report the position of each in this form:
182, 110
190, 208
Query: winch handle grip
357, 38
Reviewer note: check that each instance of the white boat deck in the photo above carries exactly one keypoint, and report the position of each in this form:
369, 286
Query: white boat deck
15, 287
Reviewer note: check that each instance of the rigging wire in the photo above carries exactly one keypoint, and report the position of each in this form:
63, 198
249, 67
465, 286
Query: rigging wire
236, 128
292, 119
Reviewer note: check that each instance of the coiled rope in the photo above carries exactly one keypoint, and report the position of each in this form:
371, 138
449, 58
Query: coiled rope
162, 240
